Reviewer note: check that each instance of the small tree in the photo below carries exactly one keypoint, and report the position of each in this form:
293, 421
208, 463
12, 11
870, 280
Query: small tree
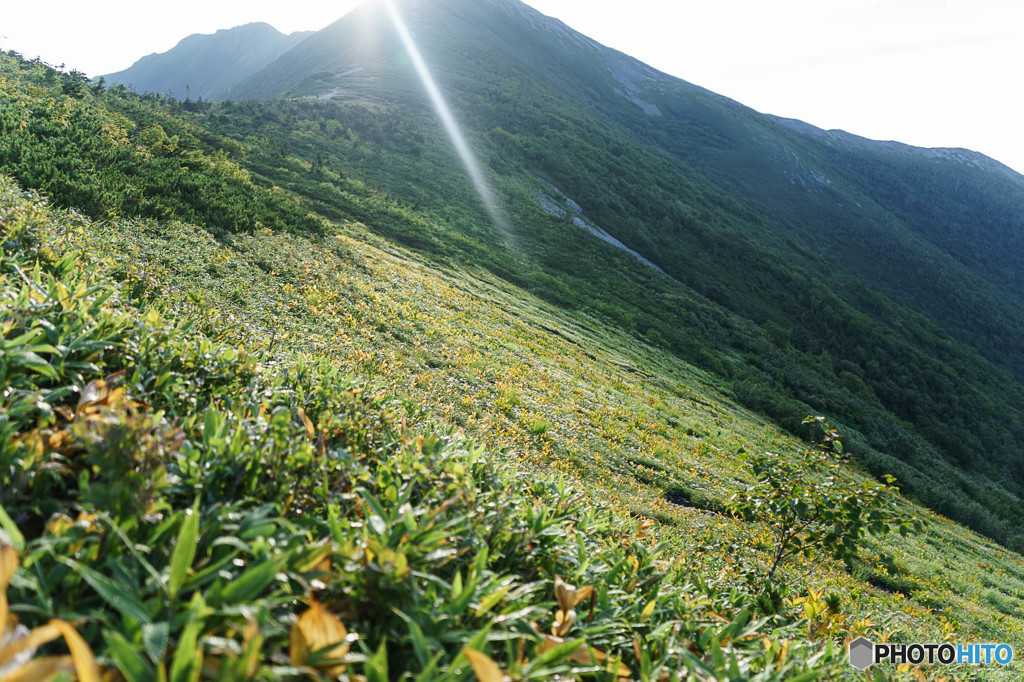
811, 505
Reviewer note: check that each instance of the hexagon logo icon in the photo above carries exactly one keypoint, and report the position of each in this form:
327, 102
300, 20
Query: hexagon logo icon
862, 653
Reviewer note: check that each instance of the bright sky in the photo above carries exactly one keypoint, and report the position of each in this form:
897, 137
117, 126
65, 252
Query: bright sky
933, 73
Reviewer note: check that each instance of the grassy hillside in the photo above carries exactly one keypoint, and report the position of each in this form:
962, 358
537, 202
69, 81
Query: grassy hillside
220, 439
813, 271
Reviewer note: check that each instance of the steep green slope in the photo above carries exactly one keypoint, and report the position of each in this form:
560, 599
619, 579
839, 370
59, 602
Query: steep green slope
302, 407
794, 270
204, 66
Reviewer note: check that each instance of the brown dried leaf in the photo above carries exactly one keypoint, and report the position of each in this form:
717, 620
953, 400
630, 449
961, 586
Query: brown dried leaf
563, 622
485, 668
315, 630
586, 655
33, 640
9, 562
81, 654
310, 429
45, 668
568, 596
94, 392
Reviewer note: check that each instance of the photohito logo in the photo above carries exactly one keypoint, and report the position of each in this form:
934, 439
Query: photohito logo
864, 653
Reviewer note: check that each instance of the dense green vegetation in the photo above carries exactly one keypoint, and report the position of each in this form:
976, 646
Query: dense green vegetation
223, 411
118, 160
801, 336
184, 499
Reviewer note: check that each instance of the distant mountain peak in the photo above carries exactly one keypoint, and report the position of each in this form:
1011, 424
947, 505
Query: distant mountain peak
206, 64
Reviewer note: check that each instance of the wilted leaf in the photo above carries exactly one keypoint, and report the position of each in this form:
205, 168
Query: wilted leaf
8, 564
319, 630
40, 669
310, 430
9, 635
82, 658
485, 668
568, 596
563, 622
81, 654
94, 392
59, 524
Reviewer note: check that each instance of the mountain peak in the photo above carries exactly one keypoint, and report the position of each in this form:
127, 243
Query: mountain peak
204, 64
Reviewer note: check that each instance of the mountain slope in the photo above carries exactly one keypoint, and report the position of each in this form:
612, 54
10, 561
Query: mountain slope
812, 271
266, 410
204, 65
258, 428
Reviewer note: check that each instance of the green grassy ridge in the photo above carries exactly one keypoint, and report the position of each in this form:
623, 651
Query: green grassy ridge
58, 136
462, 551
767, 226
832, 361
637, 406
231, 54
605, 401
687, 205
281, 142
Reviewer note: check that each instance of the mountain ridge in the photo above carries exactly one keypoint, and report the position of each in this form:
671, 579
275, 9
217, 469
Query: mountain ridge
282, 351
865, 280
204, 64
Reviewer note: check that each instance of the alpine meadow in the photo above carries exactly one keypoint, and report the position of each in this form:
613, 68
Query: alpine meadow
445, 343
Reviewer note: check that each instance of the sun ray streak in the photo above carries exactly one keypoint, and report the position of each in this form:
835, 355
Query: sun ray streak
469, 160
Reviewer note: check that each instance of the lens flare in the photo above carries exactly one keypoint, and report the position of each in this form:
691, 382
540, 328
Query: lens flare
451, 126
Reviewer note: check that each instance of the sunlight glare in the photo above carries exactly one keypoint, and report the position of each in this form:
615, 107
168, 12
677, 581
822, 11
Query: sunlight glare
476, 173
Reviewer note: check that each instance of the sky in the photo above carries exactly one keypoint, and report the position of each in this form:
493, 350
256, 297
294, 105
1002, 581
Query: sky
932, 73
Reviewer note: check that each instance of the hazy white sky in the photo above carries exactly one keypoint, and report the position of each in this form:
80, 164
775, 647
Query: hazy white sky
925, 72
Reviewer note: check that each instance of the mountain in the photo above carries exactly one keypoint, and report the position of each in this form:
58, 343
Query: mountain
814, 271
299, 375
203, 65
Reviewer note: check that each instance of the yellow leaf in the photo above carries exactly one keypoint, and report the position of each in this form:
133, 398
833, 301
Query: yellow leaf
33, 640
59, 524
310, 430
563, 622
95, 391
643, 528
648, 610
319, 630
115, 395
8, 564
81, 654
298, 652
41, 669
485, 668
568, 596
